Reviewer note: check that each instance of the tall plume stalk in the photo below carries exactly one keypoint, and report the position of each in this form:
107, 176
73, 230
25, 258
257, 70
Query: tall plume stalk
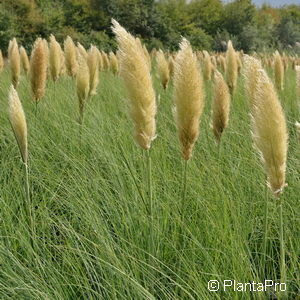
189, 103
207, 66
163, 68
92, 62
70, 57
231, 68
38, 69
18, 123
15, 62
24, 60
114, 64
297, 68
279, 71
55, 57
220, 106
135, 71
271, 140
1, 61
83, 86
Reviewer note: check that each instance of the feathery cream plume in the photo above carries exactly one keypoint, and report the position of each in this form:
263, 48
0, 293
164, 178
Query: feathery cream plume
220, 106
70, 57
189, 97
163, 68
92, 62
114, 64
105, 61
81, 50
231, 67
24, 60
207, 66
38, 69
100, 61
83, 85
279, 71
135, 72
15, 62
55, 57
171, 65
1, 61
18, 123
270, 132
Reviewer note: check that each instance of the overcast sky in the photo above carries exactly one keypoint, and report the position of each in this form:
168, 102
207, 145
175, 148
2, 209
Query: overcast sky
274, 2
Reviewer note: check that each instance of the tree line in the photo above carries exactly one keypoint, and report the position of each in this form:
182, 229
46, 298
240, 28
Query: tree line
208, 24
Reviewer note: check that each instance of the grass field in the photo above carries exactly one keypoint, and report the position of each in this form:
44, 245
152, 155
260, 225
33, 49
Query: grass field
93, 236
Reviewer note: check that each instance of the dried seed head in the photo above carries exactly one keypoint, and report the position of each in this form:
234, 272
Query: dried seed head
55, 57
189, 97
114, 64
163, 68
24, 60
15, 62
231, 68
18, 123
1, 61
279, 71
207, 66
92, 62
83, 85
135, 72
270, 132
70, 57
38, 69
220, 106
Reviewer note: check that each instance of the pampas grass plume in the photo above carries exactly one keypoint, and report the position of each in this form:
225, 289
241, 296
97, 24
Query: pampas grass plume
1, 61
279, 71
270, 132
55, 58
38, 69
114, 64
83, 85
70, 57
220, 106
18, 123
163, 68
231, 67
135, 72
15, 62
297, 68
188, 96
207, 66
24, 60
92, 62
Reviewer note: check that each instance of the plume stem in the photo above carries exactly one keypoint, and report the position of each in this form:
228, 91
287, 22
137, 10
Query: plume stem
282, 245
28, 204
184, 185
265, 235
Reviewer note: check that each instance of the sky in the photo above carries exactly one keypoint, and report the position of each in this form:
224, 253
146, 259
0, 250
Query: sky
274, 3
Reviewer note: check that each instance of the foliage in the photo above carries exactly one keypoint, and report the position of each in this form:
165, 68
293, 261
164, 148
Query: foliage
160, 23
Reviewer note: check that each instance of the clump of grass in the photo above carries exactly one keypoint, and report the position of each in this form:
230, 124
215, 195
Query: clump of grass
163, 69
38, 69
92, 63
15, 62
220, 106
70, 57
55, 57
24, 60
279, 71
188, 97
231, 67
83, 85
